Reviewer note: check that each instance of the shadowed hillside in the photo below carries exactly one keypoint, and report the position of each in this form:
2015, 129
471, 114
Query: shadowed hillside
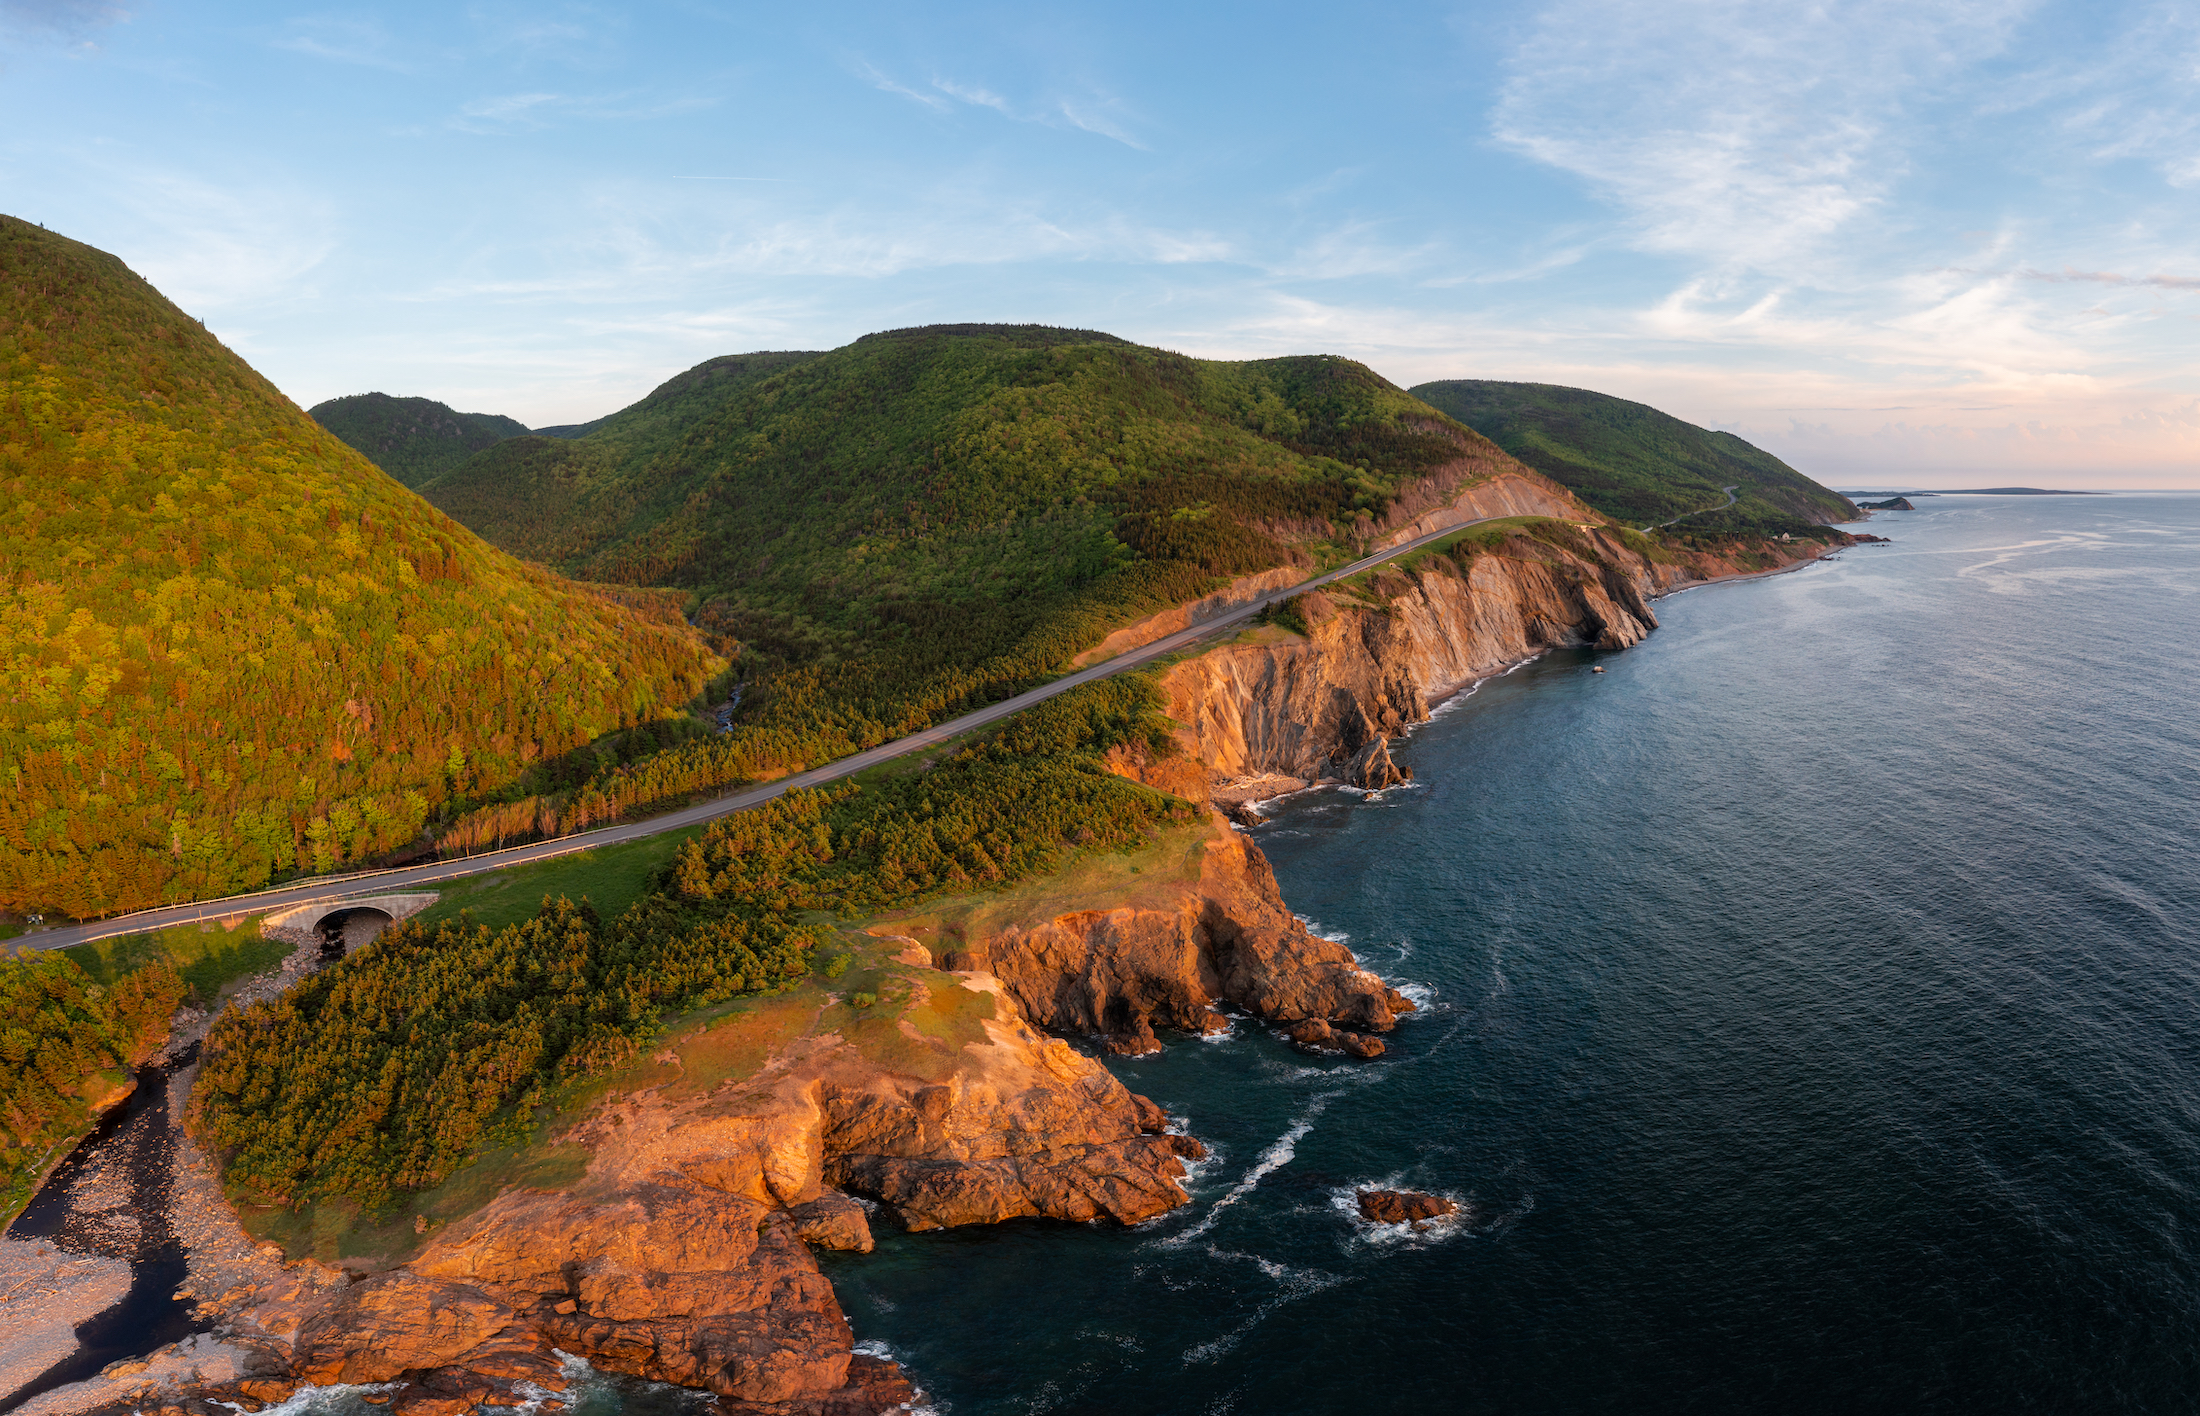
1630, 461
412, 439
229, 646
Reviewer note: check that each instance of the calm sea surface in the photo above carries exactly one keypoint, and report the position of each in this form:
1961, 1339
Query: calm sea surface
1813, 1025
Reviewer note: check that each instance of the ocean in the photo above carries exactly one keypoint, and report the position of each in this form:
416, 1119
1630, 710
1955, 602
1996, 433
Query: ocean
1812, 1023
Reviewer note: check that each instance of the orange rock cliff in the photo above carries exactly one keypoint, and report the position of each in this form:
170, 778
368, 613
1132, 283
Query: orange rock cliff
680, 1250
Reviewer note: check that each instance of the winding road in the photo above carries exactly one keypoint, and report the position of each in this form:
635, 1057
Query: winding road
1686, 514
333, 887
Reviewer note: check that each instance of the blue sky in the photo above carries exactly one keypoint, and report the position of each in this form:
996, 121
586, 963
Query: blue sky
1892, 242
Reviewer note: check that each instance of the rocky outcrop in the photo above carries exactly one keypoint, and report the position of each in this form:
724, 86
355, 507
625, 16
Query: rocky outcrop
1222, 937
684, 1254
1403, 1206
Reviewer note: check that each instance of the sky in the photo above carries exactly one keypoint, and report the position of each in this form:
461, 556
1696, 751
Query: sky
1940, 244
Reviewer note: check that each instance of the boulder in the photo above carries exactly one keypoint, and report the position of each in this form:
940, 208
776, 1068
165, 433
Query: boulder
1403, 1206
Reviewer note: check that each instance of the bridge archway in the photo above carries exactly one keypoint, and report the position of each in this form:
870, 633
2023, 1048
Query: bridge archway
339, 926
343, 930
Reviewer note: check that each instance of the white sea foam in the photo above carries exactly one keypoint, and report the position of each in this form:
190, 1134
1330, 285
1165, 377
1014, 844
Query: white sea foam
1322, 931
1274, 1158
1420, 995
321, 1398
1345, 1200
1294, 1284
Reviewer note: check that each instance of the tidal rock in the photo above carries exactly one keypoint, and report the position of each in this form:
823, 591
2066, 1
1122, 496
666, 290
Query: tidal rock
1316, 1035
1371, 768
1403, 1206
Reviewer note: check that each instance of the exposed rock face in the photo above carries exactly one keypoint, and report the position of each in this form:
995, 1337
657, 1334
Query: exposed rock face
1403, 1206
1226, 938
1325, 708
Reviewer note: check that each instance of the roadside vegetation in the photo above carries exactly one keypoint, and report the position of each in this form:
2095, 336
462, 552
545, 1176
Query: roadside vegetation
382, 1075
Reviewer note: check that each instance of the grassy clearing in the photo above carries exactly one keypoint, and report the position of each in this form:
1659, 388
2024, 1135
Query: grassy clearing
210, 956
611, 879
1150, 877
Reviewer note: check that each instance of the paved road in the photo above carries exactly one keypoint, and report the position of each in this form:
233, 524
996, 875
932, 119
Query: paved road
1685, 515
412, 877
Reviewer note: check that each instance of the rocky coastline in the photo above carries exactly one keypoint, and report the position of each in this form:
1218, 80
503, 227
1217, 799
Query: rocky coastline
676, 1243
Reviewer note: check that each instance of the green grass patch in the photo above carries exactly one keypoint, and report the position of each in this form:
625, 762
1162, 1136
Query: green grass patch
209, 956
611, 879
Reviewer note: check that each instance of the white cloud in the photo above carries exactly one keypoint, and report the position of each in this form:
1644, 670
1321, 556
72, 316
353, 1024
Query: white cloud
1745, 132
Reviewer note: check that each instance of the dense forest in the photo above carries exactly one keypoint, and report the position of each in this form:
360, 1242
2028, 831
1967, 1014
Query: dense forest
229, 645
930, 519
1641, 466
384, 1073
66, 1041
412, 439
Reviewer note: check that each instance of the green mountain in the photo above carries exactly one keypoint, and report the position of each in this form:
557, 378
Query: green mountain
412, 439
230, 647
931, 518
1636, 464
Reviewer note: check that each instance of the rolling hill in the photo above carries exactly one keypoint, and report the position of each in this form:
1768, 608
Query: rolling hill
412, 439
932, 518
230, 647
1634, 463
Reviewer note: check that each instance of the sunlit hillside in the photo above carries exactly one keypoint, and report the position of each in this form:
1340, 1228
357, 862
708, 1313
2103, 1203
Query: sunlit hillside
229, 646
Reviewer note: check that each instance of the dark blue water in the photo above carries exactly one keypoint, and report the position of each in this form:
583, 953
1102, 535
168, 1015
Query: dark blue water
1814, 1025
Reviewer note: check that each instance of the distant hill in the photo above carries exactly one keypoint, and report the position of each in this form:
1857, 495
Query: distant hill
412, 439
934, 517
230, 647
1632, 462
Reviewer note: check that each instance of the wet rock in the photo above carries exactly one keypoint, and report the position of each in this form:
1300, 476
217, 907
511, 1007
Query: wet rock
1371, 769
1316, 1035
1403, 1206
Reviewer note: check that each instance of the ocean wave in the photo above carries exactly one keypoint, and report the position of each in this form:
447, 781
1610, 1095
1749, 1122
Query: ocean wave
1278, 1155
1292, 1283
1420, 995
1322, 931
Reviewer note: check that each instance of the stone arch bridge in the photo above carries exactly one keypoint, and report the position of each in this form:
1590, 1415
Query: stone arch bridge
340, 924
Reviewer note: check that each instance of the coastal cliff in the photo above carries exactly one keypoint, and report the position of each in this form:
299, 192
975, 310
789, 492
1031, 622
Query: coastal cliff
677, 1245
1320, 699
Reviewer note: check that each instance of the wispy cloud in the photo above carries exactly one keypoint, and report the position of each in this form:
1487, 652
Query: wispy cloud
2067, 276
1092, 112
344, 41
516, 112
1748, 132
886, 84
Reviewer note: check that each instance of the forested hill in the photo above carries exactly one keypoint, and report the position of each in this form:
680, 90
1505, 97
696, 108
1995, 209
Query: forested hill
229, 645
929, 518
1632, 462
412, 439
